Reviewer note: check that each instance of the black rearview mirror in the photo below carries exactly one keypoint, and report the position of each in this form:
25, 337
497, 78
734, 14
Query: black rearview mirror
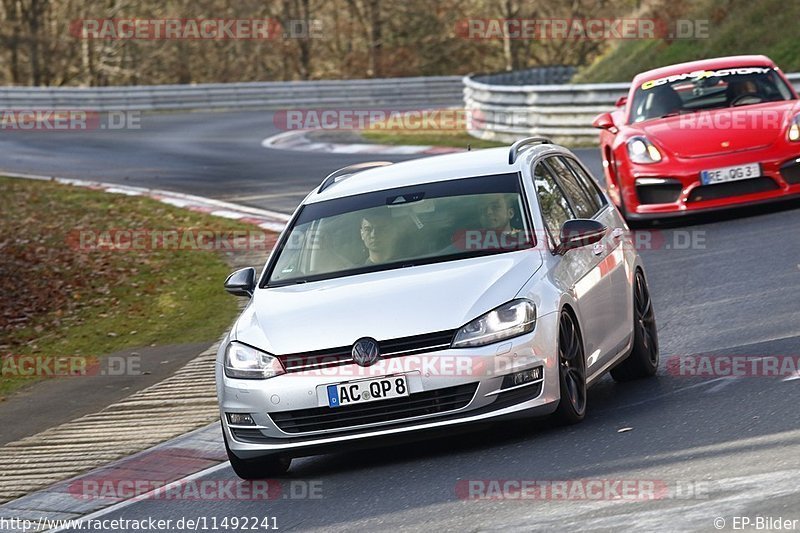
580, 232
242, 282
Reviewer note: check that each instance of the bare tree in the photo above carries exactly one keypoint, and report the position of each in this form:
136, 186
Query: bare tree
360, 38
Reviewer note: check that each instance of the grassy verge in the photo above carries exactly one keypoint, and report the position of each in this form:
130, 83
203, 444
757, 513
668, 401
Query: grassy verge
734, 27
59, 300
450, 139
445, 128
454, 139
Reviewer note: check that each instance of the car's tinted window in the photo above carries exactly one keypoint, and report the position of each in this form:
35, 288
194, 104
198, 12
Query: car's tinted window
398, 228
707, 89
554, 205
582, 203
588, 183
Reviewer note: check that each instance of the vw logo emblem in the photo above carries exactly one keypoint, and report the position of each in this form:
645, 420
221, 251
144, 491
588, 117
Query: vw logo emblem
366, 352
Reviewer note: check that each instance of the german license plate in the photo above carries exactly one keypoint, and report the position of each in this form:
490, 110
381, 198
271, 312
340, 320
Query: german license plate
721, 175
368, 390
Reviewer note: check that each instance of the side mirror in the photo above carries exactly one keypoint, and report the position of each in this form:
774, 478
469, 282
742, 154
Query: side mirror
242, 282
604, 122
621, 101
580, 232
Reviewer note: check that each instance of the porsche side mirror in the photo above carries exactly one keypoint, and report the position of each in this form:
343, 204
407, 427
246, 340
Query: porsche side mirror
604, 122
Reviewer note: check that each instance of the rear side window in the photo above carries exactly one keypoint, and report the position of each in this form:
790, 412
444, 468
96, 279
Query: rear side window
588, 183
582, 202
555, 207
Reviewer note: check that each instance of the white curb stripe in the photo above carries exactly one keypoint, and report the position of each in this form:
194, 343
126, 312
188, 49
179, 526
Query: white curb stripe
122, 505
298, 140
273, 219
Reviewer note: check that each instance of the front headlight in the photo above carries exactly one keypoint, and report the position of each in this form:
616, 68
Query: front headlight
244, 362
642, 151
794, 130
513, 319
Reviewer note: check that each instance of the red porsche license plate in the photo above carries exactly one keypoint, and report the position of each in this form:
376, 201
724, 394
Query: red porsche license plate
721, 175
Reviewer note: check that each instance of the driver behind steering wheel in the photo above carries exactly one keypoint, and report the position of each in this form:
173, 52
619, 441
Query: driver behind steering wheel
738, 89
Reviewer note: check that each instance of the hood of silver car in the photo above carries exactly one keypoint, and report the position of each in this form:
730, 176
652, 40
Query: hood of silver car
382, 305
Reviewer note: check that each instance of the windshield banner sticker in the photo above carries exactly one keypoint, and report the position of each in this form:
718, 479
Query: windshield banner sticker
703, 74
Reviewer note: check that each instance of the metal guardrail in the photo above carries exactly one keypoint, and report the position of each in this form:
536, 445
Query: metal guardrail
552, 75
394, 92
499, 108
563, 113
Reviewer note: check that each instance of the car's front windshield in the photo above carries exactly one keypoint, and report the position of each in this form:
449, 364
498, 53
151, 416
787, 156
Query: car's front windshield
707, 89
397, 228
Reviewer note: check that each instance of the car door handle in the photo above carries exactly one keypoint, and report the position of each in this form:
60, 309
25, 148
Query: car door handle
618, 233
598, 248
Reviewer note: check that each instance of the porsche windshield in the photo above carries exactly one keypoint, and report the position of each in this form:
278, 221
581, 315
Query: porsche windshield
707, 89
402, 227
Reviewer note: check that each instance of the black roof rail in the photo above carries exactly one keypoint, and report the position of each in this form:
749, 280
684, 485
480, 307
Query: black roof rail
517, 146
337, 176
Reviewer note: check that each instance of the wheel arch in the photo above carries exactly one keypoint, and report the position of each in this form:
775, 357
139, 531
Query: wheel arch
570, 306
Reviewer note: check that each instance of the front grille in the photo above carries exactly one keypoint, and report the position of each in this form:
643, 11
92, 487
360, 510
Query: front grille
316, 359
732, 188
659, 193
427, 342
418, 404
791, 171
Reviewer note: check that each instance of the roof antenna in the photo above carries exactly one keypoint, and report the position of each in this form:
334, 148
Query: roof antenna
469, 148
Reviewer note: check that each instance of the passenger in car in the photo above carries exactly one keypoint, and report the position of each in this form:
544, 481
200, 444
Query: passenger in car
497, 219
496, 213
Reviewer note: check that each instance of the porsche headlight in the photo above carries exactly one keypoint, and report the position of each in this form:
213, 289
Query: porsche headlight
244, 362
794, 130
515, 318
642, 151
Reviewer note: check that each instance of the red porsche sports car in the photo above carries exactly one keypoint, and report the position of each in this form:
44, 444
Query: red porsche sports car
700, 136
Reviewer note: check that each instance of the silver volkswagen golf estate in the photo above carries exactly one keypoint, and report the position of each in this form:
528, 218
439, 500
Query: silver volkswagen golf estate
419, 296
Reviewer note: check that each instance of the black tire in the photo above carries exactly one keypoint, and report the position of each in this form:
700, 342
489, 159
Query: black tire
270, 466
571, 372
642, 362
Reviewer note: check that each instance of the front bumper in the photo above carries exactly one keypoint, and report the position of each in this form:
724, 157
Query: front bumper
681, 191
479, 371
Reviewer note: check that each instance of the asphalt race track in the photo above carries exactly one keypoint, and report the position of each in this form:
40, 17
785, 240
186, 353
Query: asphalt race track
218, 155
724, 285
